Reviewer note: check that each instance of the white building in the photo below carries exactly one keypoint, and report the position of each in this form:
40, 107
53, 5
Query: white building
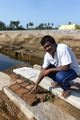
67, 27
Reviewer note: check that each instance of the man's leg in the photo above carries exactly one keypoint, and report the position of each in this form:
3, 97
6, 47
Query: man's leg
63, 78
53, 77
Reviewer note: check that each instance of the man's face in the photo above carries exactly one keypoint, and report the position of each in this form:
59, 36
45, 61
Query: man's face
50, 48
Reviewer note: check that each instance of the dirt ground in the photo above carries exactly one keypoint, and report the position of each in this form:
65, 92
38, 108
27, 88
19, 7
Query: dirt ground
30, 40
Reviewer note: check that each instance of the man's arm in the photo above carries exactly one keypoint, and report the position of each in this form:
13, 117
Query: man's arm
45, 72
60, 68
40, 77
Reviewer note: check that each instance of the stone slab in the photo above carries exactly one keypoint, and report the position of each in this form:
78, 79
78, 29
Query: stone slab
32, 75
5, 80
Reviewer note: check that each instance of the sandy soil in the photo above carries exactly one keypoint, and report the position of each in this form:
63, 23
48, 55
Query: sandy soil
30, 40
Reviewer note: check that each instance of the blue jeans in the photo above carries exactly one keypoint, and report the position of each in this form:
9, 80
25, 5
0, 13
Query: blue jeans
63, 77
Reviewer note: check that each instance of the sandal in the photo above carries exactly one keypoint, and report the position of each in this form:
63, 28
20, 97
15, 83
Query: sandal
55, 85
66, 94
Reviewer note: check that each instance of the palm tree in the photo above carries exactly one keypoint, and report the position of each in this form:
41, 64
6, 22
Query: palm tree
30, 24
27, 25
52, 24
48, 24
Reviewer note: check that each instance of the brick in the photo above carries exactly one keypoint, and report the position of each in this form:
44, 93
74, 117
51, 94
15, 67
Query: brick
14, 87
30, 86
31, 99
19, 81
24, 84
13, 76
13, 82
21, 91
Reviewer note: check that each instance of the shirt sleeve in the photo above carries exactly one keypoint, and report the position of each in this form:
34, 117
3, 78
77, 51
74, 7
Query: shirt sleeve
46, 62
65, 56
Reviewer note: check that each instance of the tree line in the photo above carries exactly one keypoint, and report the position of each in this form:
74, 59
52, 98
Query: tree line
15, 25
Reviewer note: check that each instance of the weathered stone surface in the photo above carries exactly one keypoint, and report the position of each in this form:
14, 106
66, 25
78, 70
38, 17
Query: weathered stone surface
23, 89
48, 111
8, 110
15, 87
5, 80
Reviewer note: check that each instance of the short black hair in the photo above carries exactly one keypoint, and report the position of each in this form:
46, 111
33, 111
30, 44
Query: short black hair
47, 38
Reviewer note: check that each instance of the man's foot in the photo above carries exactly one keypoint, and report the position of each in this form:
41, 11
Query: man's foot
66, 94
55, 85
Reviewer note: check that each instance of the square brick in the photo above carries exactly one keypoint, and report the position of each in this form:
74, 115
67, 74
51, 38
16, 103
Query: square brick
24, 84
30, 86
19, 81
14, 87
31, 99
21, 91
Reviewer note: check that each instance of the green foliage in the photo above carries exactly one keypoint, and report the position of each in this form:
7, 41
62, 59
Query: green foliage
2, 26
77, 26
30, 25
43, 26
21, 28
14, 25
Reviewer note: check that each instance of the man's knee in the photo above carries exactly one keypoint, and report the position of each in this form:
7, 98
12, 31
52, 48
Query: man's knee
59, 77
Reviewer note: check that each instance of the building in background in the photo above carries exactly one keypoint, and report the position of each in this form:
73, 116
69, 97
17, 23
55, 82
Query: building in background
68, 27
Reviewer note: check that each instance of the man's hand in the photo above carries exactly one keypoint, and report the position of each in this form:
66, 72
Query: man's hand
41, 76
34, 90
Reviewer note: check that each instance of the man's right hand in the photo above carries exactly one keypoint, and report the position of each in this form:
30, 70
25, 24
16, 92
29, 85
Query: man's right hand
41, 75
34, 90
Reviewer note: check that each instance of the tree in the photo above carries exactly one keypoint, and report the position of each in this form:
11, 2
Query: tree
69, 23
21, 27
14, 25
48, 24
2, 26
27, 26
52, 24
77, 26
45, 25
30, 24
41, 26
